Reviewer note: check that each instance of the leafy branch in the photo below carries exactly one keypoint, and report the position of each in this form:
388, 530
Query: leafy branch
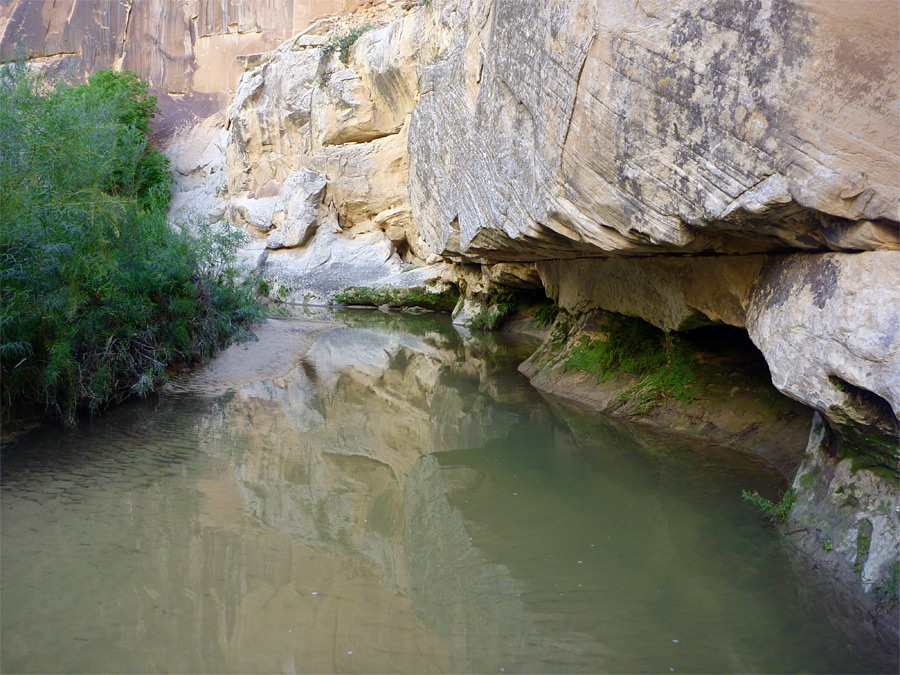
343, 43
776, 513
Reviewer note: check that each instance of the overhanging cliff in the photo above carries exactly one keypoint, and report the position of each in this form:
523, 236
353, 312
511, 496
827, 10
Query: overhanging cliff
686, 163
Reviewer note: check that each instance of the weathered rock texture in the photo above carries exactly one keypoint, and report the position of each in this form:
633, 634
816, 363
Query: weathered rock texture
185, 50
673, 293
348, 121
856, 512
316, 156
829, 326
687, 162
850, 521
551, 129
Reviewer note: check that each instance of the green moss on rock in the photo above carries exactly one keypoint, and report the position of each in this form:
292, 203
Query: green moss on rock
493, 312
868, 448
443, 300
661, 363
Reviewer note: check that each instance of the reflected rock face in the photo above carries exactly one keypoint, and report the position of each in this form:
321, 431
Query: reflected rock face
377, 453
400, 499
352, 421
336, 455
288, 542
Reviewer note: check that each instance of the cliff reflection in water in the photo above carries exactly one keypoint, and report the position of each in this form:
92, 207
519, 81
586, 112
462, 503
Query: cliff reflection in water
400, 501
337, 455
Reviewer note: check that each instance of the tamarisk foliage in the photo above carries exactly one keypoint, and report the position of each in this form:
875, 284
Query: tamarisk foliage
98, 294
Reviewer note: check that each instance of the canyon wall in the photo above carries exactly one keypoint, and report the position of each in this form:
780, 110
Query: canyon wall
186, 51
685, 164
688, 163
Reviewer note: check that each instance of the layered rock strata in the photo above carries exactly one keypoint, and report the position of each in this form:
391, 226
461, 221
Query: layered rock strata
686, 163
186, 51
612, 128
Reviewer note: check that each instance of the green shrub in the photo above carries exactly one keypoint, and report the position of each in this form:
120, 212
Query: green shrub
139, 170
99, 295
343, 43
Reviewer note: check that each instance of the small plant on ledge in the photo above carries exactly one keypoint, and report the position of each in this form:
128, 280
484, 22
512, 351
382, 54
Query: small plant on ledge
494, 312
661, 364
546, 313
343, 43
776, 513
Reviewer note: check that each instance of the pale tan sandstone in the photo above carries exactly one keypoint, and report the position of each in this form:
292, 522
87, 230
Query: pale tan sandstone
552, 128
185, 50
295, 110
829, 327
672, 293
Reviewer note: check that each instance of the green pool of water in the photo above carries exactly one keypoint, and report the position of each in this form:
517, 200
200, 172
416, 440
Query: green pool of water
400, 501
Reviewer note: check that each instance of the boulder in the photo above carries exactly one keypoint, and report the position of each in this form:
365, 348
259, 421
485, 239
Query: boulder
466, 310
256, 213
829, 327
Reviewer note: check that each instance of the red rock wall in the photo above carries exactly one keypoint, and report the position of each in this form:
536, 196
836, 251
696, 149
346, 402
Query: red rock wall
185, 50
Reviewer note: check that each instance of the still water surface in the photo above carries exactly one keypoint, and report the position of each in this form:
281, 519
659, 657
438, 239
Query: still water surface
400, 501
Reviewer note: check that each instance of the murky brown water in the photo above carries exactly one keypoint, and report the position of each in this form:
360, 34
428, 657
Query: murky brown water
397, 500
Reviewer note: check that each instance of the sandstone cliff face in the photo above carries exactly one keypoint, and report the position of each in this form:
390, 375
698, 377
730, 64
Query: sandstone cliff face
185, 50
315, 156
556, 129
347, 121
687, 163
